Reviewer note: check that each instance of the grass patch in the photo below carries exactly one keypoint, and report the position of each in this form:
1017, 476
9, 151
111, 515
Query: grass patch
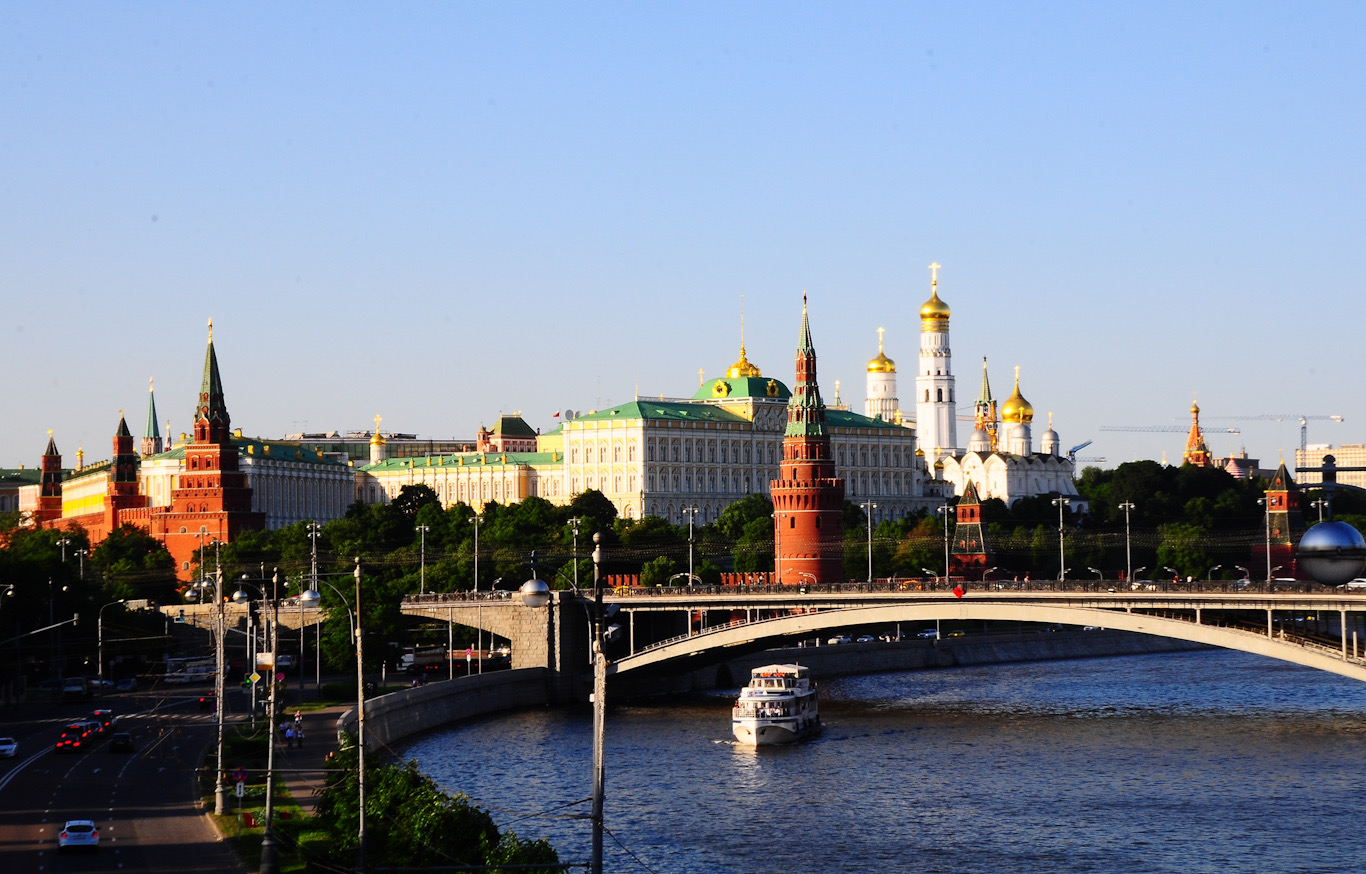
298, 838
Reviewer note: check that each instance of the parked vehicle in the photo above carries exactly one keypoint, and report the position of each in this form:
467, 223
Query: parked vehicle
9, 747
121, 742
75, 689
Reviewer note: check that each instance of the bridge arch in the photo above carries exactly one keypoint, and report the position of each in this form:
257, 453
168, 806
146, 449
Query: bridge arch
790, 626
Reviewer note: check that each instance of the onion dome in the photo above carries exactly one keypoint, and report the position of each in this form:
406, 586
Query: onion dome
935, 313
881, 364
743, 369
1016, 408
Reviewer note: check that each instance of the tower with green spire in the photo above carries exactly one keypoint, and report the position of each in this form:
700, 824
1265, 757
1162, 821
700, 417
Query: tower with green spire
151, 432
212, 500
808, 498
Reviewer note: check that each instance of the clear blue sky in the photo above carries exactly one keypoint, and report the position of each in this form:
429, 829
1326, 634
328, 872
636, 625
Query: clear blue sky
442, 211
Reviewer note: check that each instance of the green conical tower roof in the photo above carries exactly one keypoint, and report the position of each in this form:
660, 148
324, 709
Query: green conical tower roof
211, 404
151, 430
806, 410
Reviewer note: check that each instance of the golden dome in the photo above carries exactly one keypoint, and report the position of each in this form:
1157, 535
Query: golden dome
743, 368
934, 308
1016, 408
881, 364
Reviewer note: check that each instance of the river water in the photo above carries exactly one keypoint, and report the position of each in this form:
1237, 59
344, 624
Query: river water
1186, 762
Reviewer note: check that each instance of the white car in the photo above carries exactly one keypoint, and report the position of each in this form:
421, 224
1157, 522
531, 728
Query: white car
9, 747
79, 833
837, 639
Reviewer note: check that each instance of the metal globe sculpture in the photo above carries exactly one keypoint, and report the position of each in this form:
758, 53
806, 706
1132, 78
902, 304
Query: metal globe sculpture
1332, 553
534, 593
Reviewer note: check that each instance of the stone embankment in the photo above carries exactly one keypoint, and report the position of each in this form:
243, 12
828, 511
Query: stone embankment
392, 717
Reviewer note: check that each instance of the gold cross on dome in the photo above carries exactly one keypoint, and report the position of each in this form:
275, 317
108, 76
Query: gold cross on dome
700, 379
879, 338
934, 272
378, 419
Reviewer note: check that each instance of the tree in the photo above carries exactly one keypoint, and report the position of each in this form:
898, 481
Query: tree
658, 571
594, 508
412, 498
133, 564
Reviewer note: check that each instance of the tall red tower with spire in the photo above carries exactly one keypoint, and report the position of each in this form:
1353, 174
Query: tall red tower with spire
122, 491
1197, 453
212, 497
808, 499
50, 486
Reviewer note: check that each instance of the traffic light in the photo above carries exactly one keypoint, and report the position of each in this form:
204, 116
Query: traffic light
75, 619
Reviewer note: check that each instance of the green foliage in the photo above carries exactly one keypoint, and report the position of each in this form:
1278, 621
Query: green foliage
658, 571
412, 498
411, 822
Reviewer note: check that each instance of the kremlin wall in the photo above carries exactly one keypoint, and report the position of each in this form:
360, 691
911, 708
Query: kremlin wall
672, 457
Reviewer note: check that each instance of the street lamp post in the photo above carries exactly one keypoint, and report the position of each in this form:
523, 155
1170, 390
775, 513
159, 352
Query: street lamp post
270, 861
64, 543
80, 556
692, 515
574, 526
944, 510
1320, 503
314, 529
99, 633
868, 508
1098, 573
1128, 553
987, 571
1210, 576
1061, 502
1267, 504
477, 521
599, 708
422, 565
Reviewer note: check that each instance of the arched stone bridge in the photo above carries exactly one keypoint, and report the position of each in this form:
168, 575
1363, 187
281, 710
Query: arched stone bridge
672, 630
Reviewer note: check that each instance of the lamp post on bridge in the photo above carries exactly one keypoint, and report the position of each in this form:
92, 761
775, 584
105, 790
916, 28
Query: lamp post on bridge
1267, 505
1061, 502
868, 508
1128, 552
1209, 577
692, 515
944, 511
422, 561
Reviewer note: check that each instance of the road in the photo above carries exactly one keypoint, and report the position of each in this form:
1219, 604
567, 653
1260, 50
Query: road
145, 802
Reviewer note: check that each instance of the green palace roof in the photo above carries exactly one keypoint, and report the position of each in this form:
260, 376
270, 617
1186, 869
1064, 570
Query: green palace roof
254, 447
464, 460
847, 419
671, 410
728, 388
24, 475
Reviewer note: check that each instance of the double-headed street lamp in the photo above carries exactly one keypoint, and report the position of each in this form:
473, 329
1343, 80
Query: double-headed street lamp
944, 511
476, 520
99, 634
1061, 502
422, 565
314, 597
868, 508
270, 861
692, 516
1128, 553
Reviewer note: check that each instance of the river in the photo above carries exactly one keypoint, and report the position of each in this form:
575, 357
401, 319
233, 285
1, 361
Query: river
1187, 762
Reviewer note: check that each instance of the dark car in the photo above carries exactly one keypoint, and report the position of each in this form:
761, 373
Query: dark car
206, 701
105, 718
121, 742
76, 737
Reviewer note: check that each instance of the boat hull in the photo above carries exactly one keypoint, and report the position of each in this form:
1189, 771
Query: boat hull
764, 732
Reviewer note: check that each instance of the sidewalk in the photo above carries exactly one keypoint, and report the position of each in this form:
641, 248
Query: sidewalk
320, 738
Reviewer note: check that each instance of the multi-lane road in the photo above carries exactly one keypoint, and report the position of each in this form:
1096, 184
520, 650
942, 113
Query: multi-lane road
145, 802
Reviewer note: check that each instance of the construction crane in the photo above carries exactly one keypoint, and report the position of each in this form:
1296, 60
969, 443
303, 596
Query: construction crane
1281, 417
1166, 429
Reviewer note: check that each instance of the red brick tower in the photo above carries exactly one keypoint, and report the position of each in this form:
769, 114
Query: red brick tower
1285, 521
969, 544
212, 496
122, 491
808, 500
50, 490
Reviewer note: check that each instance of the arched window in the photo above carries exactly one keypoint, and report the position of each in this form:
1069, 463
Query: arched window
939, 395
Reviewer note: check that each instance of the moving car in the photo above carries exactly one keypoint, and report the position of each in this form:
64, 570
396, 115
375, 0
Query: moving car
839, 638
106, 718
9, 747
121, 742
74, 689
76, 737
79, 833
866, 638
206, 701
928, 633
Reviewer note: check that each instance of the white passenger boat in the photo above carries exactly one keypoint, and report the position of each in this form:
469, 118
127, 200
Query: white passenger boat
778, 706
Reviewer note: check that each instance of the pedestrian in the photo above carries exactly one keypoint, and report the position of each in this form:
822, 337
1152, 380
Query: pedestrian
289, 737
299, 737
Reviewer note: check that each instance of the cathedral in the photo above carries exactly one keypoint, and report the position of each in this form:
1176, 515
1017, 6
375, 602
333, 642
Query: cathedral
999, 458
